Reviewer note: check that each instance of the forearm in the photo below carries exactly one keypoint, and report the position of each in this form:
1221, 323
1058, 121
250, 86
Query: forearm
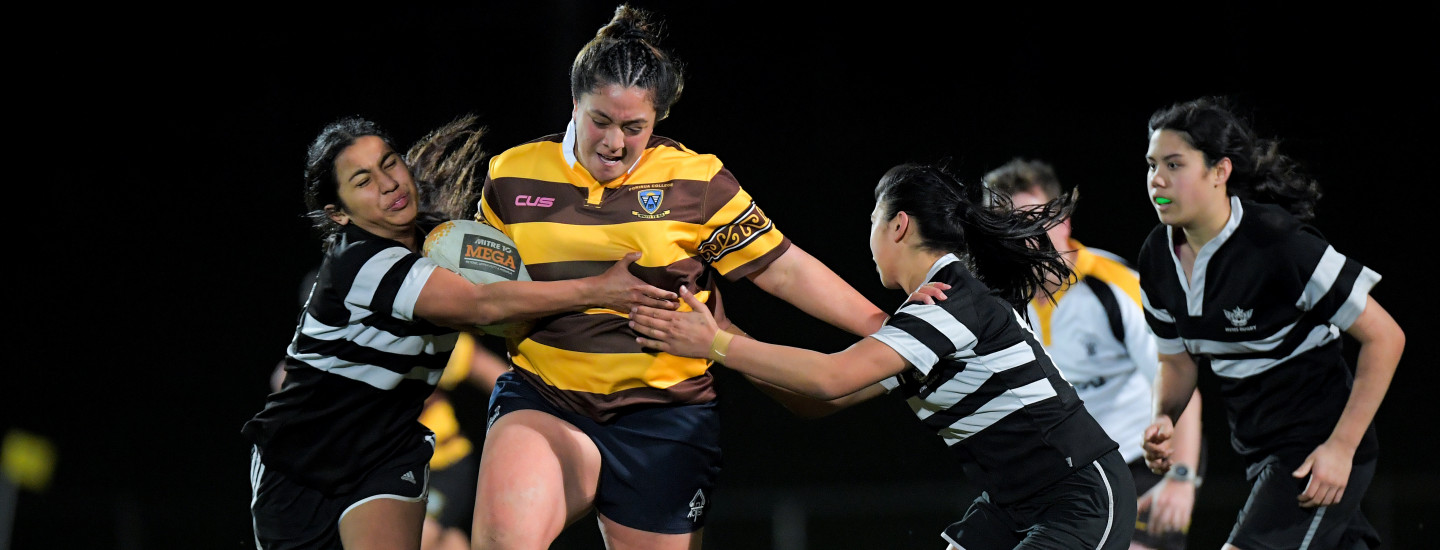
809, 407
809, 373
1174, 385
508, 301
1374, 368
809, 285
1186, 443
1381, 344
452, 301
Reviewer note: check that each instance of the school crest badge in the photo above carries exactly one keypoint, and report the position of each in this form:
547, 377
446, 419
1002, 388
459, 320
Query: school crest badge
650, 201
1238, 317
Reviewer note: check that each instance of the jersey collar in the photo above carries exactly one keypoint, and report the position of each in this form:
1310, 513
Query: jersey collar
567, 147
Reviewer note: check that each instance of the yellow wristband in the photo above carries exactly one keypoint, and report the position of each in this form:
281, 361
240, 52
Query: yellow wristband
720, 346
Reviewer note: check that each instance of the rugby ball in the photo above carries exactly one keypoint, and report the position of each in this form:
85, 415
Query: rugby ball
481, 254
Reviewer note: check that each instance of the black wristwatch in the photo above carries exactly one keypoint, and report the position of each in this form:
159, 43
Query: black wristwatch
1181, 472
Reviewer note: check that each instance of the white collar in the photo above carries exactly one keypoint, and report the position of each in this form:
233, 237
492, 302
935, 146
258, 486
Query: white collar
940, 263
567, 146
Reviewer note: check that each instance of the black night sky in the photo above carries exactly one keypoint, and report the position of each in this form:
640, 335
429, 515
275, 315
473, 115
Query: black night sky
192, 135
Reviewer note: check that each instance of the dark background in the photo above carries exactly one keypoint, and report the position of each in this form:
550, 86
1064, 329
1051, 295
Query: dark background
178, 139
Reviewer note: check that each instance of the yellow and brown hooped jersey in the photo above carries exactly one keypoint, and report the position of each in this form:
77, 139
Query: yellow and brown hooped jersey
682, 210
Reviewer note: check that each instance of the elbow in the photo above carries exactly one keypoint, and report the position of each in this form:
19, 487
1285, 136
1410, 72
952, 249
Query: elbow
830, 389
489, 314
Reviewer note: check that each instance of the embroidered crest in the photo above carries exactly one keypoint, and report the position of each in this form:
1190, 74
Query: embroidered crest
650, 199
1238, 317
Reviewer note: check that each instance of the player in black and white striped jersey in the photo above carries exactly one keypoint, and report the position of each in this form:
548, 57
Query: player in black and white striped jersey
967, 364
1234, 277
340, 457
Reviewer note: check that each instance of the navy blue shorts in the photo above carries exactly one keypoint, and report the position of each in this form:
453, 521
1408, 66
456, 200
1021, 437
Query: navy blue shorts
1273, 518
658, 465
288, 515
1094, 507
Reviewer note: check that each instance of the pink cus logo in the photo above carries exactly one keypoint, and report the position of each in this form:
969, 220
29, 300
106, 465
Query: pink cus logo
527, 200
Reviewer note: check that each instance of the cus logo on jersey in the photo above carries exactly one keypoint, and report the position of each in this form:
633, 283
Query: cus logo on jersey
1239, 318
697, 505
650, 200
527, 200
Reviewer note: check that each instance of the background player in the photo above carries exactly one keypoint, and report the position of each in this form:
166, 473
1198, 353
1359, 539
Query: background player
1094, 328
1235, 278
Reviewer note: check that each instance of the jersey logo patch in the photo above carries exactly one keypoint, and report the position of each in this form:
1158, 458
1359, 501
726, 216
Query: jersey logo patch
527, 200
697, 506
650, 200
1239, 318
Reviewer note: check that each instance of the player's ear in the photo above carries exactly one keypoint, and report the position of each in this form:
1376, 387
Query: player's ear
336, 214
900, 225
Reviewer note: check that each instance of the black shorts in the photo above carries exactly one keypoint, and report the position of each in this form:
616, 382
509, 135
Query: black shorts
1273, 518
658, 465
452, 493
1094, 507
288, 515
1144, 480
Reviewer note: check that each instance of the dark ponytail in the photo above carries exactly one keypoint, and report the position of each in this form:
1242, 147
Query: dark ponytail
1008, 250
626, 52
1260, 173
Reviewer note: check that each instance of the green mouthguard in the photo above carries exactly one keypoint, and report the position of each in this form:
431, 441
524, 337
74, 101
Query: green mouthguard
1162, 200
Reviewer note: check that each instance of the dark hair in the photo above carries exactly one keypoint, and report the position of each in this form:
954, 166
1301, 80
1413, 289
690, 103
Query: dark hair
321, 185
1007, 249
1259, 172
625, 51
446, 164
1023, 176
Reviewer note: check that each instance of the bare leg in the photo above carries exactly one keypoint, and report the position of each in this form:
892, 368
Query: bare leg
538, 474
383, 523
620, 537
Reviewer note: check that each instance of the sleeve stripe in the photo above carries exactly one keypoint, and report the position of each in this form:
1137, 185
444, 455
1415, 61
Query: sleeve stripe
918, 354
362, 291
1331, 262
409, 293
1355, 303
1159, 314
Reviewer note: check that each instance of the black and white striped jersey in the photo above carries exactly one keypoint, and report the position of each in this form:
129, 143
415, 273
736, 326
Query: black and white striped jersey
1264, 307
981, 380
359, 368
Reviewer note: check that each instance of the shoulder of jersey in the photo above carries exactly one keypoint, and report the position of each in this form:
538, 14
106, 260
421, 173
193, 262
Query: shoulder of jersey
670, 160
524, 155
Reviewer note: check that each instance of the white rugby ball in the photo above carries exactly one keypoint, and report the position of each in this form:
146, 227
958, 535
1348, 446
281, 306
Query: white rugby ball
481, 254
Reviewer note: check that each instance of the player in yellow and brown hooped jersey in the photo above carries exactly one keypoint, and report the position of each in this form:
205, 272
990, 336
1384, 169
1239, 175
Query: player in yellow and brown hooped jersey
683, 210
589, 419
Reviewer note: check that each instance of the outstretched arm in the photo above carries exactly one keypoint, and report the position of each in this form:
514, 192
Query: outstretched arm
809, 373
1381, 343
800, 405
805, 282
448, 299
